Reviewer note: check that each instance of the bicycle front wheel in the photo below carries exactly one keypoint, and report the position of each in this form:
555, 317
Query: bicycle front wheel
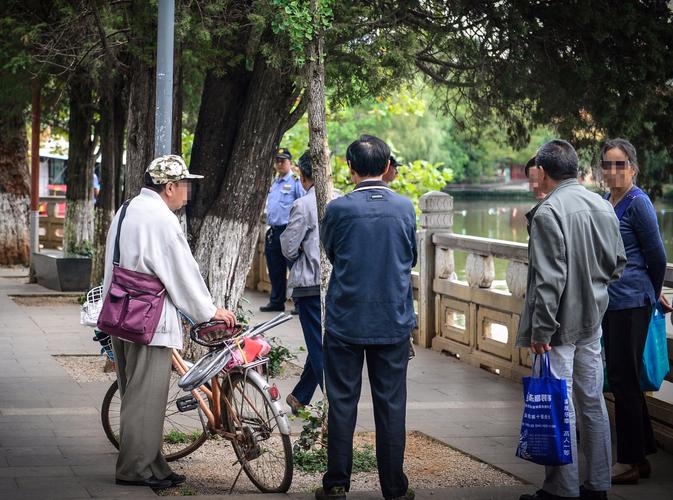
183, 432
264, 452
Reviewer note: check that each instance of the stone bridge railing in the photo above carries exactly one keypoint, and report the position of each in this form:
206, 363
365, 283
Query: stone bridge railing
477, 322
52, 213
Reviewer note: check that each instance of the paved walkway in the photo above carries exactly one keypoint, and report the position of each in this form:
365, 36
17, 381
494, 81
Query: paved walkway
51, 444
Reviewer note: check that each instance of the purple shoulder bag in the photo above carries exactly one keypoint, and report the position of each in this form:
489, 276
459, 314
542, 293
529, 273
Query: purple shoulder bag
133, 304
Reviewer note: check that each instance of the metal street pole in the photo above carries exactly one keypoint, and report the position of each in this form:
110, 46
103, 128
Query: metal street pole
34, 228
164, 101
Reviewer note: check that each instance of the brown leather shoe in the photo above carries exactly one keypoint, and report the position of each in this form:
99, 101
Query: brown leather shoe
645, 469
630, 476
294, 404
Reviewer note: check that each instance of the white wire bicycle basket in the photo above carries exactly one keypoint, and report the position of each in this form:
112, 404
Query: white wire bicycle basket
91, 307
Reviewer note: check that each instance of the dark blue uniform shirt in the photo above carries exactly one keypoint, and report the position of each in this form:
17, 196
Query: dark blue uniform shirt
370, 239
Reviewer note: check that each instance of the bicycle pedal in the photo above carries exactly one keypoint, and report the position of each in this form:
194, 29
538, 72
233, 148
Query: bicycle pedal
186, 403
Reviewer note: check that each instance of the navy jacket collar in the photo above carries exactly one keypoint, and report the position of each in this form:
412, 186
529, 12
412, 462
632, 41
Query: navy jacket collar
370, 184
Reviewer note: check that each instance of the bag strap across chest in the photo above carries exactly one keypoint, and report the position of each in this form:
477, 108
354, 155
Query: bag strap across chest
115, 258
624, 205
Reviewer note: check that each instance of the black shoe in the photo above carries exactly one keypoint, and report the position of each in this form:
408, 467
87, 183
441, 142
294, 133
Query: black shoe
409, 495
152, 482
294, 311
334, 493
272, 308
645, 469
176, 479
586, 494
543, 495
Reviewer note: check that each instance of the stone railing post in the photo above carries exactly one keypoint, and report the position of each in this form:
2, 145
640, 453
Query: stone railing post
436, 216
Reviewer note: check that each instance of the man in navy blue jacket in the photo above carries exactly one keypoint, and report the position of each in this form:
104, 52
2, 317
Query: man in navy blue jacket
370, 239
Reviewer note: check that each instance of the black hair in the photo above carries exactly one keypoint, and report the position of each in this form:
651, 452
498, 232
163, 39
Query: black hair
306, 166
559, 160
530, 164
626, 147
149, 184
368, 156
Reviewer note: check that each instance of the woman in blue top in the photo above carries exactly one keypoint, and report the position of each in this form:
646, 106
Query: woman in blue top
632, 298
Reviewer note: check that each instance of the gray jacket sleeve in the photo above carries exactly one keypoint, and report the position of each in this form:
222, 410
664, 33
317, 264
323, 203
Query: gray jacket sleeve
292, 237
548, 261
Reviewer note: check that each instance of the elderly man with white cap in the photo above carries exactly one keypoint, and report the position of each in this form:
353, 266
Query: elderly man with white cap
151, 241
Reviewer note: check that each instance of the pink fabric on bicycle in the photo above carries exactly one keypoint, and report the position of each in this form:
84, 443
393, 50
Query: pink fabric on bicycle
133, 305
261, 346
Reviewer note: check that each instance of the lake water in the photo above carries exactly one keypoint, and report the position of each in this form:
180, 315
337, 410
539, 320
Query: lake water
505, 220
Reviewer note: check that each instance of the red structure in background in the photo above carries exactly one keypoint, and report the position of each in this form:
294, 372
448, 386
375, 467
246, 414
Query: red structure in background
517, 172
54, 190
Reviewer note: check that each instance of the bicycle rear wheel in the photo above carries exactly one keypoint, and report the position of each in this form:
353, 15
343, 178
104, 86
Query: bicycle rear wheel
264, 452
183, 432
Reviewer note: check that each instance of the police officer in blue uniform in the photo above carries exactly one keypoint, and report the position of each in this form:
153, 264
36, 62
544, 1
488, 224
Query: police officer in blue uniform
285, 188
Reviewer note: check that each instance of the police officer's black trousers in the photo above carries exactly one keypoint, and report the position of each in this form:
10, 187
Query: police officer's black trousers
387, 369
277, 265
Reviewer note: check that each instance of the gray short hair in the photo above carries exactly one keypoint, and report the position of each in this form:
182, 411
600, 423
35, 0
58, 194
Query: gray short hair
559, 159
625, 147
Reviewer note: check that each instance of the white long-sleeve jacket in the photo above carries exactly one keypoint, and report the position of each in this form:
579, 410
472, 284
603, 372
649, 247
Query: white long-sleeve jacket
152, 242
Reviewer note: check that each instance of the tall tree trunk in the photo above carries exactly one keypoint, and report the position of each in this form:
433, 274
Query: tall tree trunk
78, 224
142, 95
220, 112
318, 146
176, 129
140, 125
322, 173
14, 189
119, 117
237, 151
105, 204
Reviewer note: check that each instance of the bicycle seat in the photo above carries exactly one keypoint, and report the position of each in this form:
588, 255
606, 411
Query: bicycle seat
214, 333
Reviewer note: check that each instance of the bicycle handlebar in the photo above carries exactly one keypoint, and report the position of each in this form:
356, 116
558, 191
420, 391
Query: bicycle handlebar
225, 334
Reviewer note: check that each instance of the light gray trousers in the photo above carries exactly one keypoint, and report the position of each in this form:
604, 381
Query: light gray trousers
580, 364
144, 374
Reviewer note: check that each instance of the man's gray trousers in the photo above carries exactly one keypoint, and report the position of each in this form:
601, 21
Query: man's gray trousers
144, 374
581, 365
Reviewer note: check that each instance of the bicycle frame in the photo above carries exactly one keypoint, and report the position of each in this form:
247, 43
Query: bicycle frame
214, 415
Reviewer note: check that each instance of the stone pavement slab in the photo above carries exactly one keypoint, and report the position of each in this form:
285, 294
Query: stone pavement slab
52, 446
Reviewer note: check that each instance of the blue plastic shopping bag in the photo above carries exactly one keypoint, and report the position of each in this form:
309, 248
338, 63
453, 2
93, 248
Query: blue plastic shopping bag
545, 427
655, 354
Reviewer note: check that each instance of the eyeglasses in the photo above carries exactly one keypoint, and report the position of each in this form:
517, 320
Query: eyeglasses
618, 164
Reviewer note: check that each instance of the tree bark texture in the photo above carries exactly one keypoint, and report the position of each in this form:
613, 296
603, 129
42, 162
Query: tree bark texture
14, 190
140, 125
319, 150
105, 204
119, 117
176, 115
78, 224
242, 119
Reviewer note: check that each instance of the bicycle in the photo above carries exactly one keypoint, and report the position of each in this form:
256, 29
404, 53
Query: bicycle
229, 396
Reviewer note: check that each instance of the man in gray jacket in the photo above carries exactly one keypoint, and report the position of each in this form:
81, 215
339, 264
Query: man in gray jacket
574, 251
300, 244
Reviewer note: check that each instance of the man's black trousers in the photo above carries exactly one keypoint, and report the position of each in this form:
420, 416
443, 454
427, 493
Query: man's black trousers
277, 265
387, 369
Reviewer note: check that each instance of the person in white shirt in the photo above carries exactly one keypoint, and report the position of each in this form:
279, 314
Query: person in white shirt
152, 242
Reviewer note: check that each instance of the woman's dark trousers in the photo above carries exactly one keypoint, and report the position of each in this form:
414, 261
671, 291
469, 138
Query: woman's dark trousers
624, 335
